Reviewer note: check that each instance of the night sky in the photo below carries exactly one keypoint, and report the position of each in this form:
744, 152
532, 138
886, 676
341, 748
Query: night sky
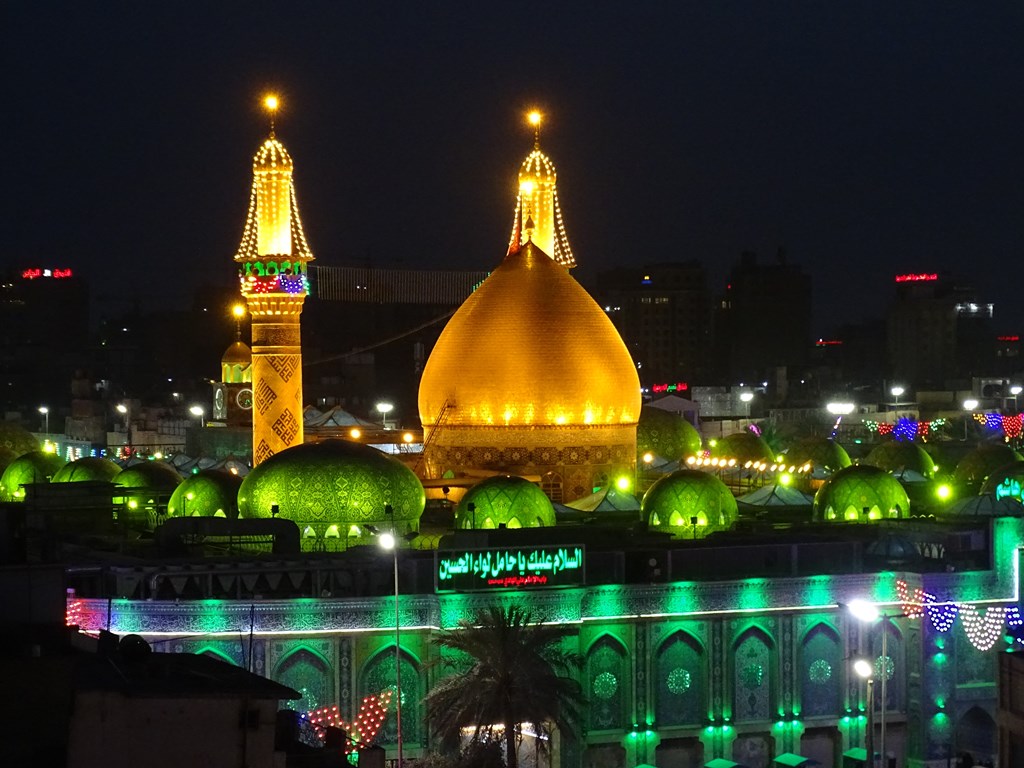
864, 138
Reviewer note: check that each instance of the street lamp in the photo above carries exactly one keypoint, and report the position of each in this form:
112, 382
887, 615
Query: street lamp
896, 392
746, 398
389, 540
840, 408
198, 412
46, 418
1015, 390
867, 613
970, 404
384, 409
124, 411
866, 670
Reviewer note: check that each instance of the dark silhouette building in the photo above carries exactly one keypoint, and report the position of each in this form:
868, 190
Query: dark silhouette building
661, 312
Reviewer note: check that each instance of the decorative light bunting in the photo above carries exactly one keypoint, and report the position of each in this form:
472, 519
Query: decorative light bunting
905, 429
913, 603
983, 629
366, 726
1012, 426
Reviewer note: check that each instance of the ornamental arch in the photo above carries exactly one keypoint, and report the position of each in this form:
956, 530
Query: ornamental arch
607, 677
680, 681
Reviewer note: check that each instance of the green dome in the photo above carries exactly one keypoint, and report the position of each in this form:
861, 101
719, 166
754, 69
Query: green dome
665, 434
744, 447
151, 475
17, 439
154, 481
32, 467
512, 501
899, 456
89, 469
976, 466
821, 452
209, 493
333, 489
673, 500
1007, 481
845, 495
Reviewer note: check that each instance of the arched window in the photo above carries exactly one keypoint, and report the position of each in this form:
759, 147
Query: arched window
753, 676
308, 674
820, 672
551, 484
680, 681
607, 684
379, 675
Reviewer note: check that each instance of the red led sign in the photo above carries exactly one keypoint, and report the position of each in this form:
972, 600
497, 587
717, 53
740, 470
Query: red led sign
681, 386
1007, 338
921, 277
828, 343
57, 274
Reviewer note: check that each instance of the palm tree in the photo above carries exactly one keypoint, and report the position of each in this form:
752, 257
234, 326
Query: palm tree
507, 669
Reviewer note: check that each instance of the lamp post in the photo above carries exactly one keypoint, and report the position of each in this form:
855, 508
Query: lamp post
384, 409
868, 613
866, 670
124, 411
46, 418
896, 392
969, 405
1015, 390
198, 412
746, 398
389, 540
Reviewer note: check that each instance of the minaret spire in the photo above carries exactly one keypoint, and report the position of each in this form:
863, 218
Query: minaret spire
538, 200
271, 103
272, 259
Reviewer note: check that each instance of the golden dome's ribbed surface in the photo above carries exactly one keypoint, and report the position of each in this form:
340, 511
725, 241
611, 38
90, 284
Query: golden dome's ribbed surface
530, 348
272, 156
238, 352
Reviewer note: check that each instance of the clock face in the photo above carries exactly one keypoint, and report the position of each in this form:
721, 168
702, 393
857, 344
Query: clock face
218, 403
244, 398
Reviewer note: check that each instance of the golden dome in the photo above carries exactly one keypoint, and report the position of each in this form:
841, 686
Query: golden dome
530, 348
272, 156
238, 352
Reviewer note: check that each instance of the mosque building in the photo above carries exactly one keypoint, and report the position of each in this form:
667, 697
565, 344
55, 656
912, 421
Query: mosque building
711, 631
530, 377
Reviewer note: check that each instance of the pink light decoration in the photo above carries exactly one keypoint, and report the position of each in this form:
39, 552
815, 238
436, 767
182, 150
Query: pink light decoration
73, 612
365, 727
913, 602
920, 277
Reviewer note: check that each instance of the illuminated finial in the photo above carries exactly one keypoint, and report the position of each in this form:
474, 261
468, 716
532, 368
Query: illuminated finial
271, 103
238, 311
534, 118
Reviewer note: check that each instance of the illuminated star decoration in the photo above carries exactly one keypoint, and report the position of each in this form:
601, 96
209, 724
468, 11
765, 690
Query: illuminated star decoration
1010, 425
366, 726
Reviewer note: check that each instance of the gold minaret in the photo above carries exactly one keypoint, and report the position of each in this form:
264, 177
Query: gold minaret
537, 203
272, 261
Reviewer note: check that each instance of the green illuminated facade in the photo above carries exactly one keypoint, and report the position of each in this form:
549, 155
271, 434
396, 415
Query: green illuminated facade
676, 672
